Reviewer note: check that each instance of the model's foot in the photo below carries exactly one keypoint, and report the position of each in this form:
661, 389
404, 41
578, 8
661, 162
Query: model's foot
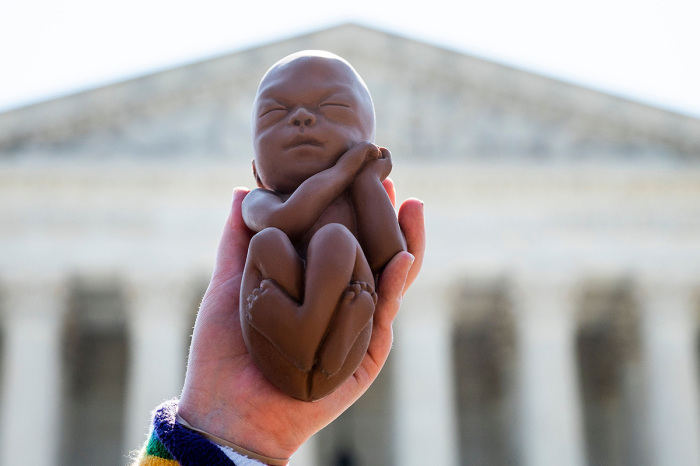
275, 315
355, 310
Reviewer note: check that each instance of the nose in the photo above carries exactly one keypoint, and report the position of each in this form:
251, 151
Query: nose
302, 117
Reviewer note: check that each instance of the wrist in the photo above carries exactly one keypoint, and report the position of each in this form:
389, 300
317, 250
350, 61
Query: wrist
225, 426
365, 179
235, 451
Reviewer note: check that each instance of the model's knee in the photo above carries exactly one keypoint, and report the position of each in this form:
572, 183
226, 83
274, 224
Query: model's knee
269, 244
333, 239
267, 238
334, 232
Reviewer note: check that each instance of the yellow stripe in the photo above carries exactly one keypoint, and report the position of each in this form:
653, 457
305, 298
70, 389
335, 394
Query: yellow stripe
155, 461
148, 460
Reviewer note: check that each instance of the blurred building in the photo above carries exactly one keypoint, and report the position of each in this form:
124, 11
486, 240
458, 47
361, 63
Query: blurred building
555, 321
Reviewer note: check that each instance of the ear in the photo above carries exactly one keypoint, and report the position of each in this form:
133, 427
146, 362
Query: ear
257, 178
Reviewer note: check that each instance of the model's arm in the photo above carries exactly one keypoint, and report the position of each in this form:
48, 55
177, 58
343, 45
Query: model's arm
297, 214
377, 226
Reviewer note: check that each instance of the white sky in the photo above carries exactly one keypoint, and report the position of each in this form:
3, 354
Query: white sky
645, 49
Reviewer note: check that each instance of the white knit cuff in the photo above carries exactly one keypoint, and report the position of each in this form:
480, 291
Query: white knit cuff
239, 459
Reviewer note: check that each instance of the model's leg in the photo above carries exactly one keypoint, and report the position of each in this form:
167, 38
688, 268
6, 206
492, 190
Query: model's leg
355, 311
273, 268
377, 224
271, 255
295, 328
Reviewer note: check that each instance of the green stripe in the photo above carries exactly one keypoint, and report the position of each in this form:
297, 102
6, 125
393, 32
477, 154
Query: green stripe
156, 448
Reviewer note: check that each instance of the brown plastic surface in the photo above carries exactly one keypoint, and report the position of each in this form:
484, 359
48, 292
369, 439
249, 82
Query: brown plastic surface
325, 224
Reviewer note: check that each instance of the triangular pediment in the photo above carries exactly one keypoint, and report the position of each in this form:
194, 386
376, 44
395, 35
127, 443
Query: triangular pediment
431, 103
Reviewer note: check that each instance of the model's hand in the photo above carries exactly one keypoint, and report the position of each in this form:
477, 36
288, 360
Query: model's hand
379, 167
358, 155
225, 393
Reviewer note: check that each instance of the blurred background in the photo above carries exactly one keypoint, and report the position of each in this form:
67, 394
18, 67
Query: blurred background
556, 147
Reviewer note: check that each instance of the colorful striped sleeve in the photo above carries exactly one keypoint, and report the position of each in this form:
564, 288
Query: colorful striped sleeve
171, 444
154, 453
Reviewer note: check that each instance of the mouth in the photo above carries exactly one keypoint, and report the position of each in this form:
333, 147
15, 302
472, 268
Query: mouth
302, 140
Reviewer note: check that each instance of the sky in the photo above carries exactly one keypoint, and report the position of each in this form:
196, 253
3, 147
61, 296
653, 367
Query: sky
646, 50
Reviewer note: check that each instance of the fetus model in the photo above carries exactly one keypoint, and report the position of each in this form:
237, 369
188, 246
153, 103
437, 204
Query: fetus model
325, 225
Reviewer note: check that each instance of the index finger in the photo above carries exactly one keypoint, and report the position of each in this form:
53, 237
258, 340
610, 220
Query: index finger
233, 247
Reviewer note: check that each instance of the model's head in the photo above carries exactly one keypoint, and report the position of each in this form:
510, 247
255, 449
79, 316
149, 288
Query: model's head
310, 108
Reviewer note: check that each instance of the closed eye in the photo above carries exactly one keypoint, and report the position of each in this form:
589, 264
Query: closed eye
335, 104
269, 110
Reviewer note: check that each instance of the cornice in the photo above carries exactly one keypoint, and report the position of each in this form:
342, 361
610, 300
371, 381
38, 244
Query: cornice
417, 65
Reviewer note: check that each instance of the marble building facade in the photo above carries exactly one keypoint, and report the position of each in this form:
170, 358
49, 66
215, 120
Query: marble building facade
555, 321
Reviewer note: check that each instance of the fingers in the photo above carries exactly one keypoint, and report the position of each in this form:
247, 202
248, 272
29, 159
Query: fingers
233, 247
389, 294
385, 154
384, 163
393, 283
412, 222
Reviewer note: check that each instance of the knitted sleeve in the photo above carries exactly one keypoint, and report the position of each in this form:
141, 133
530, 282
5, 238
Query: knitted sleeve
154, 453
171, 444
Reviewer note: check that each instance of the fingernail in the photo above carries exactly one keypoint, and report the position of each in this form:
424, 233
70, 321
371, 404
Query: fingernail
239, 191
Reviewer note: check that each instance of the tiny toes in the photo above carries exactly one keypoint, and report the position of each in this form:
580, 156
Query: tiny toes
349, 296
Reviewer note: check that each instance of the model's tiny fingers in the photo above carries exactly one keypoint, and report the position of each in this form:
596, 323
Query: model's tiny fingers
374, 152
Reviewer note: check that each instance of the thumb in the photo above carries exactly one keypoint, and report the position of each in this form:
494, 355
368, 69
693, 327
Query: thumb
233, 246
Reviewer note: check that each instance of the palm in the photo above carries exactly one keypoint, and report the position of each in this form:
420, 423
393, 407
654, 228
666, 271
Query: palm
227, 395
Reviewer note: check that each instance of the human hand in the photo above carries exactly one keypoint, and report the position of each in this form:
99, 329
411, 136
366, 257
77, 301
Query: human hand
225, 393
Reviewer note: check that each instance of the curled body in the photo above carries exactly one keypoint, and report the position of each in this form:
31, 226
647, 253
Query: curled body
326, 226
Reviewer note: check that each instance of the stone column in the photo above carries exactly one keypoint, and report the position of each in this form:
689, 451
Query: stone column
669, 330
425, 412
550, 421
159, 312
31, 402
